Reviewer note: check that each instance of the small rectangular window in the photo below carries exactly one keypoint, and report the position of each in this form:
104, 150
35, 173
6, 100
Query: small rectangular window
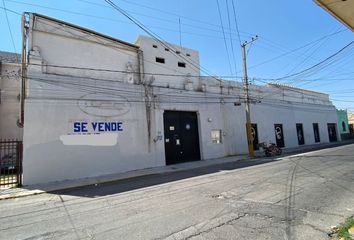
167, 50
160, 60
216, 136
178, 52
154, 46
300, 134
316, 132
181, 64
188, 55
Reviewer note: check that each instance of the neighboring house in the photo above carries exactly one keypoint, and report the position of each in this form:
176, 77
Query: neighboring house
96, 105
351, 123
343, 123
10, 85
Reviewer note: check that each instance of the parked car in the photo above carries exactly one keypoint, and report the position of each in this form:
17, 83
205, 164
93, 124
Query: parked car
8, 164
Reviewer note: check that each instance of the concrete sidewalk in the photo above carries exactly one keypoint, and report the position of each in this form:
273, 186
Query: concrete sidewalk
54, 186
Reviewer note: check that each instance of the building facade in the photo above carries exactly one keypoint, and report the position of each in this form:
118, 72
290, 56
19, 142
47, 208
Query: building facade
96, 105
10, 85
343, 124
351, 123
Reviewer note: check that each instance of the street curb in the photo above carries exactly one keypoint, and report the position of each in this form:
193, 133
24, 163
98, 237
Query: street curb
21, 194
62, 185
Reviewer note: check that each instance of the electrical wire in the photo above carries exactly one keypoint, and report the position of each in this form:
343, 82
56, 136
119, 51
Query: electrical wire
125, 71
125, 22
314, 66
223, 32
295, 50
157, 38
10, 31
231, 41
113, 81
320, 45
230, 76
236, 23
113, 47
178, 15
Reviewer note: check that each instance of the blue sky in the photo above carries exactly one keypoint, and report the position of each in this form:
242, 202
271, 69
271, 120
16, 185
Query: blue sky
293, 36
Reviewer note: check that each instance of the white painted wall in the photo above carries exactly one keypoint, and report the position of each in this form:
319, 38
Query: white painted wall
188, 56
56, 97
10, 83
55, 44
56, 101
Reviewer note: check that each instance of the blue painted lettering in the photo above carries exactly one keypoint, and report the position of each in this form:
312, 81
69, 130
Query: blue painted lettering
94, 126
84, 126
120, 127
76, 127
100, 126
107, 126
113, 126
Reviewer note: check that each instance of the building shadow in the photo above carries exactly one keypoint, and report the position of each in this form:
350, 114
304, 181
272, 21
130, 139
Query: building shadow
125, 185
129, 184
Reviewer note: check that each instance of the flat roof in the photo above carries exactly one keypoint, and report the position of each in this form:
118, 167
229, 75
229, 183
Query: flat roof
10, 57
291, 88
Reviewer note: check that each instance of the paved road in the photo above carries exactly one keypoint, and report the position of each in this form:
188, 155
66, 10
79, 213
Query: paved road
298, 197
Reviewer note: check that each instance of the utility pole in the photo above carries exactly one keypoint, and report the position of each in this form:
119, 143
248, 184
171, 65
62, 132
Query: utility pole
247, 103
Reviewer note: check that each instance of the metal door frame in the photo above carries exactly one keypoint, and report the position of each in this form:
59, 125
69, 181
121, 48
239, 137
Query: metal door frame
198, 129
282, 133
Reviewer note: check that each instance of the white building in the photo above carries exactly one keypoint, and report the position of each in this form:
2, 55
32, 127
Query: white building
97, 105
10, 85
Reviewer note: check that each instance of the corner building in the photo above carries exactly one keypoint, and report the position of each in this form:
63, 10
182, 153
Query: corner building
81, 85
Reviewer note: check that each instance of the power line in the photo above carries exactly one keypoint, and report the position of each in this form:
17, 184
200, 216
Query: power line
124, 22
263, 80
85, 87
335, 64
236, 23
9, 27
94, 88
131, 72
113, 91
154, 73
115, 48
125, 53
296, 49
223, 32
301, 63
99, 89
156, 37
115, 20
231, 41
178, 15
321, 62
220, 99
66, 82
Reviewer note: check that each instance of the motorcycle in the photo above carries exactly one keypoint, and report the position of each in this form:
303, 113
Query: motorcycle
270, 149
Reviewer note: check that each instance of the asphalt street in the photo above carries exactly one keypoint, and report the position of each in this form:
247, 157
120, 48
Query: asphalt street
297, 197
